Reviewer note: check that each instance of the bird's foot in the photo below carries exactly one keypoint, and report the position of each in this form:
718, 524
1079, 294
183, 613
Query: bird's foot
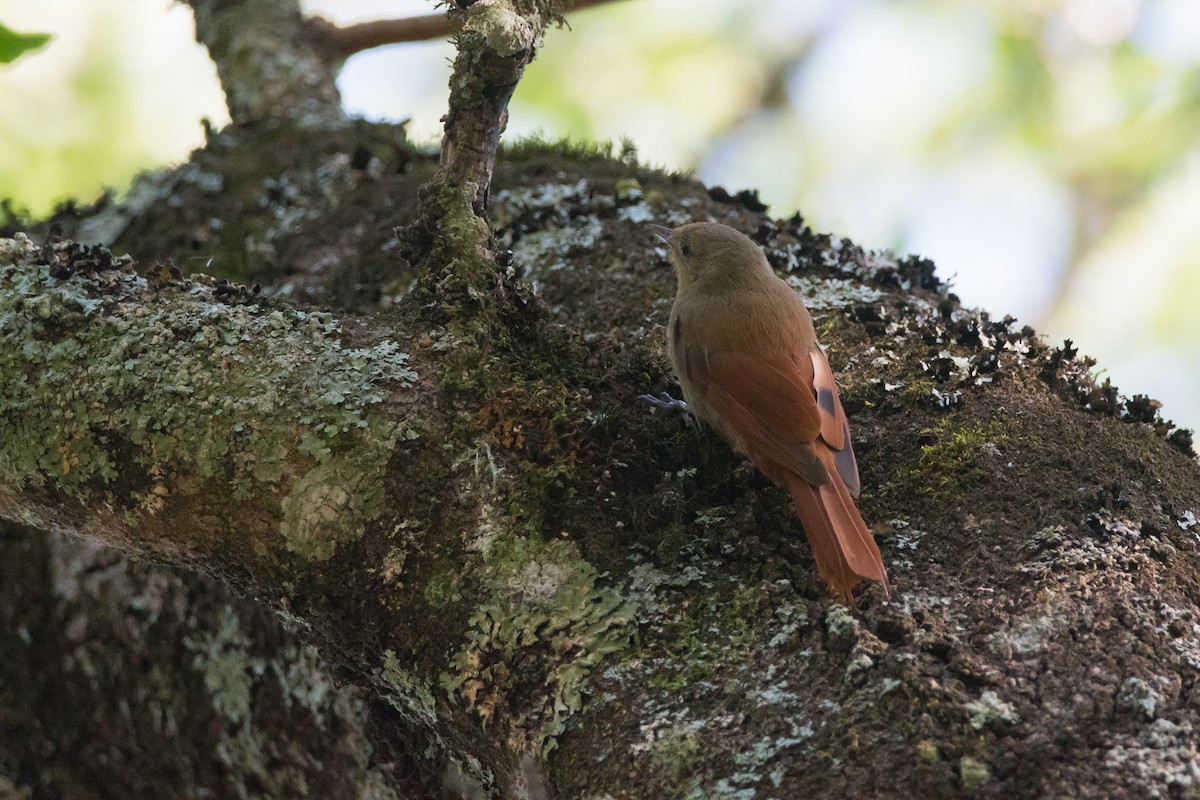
668, 403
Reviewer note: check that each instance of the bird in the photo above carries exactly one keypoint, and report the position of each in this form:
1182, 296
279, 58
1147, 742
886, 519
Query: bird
743, 347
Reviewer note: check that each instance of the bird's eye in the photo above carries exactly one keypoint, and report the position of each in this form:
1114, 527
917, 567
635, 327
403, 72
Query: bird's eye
685, 249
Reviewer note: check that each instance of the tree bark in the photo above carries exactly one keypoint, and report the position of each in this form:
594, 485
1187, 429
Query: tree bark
540, 586
270, 62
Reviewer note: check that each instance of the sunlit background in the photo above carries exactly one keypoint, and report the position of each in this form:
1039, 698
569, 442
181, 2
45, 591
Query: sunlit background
1045, 153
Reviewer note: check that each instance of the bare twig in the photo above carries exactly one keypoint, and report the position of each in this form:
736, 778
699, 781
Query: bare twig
352, 39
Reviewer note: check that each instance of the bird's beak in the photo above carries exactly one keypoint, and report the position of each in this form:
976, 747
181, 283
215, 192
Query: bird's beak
661, 231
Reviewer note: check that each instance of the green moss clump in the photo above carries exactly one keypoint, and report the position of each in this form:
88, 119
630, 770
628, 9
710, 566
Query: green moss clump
536, 146
676, 756
957, 454
974, 773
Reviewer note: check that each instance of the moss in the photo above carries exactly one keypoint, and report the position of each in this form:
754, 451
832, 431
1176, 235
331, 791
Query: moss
711, 635
957, 452
101, 369
535, 146
958, 449
927, 753
535, 424
465, 232
676, 757
544, 489
439, 591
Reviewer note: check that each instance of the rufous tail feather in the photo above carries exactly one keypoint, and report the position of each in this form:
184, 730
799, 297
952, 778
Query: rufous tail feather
842, 545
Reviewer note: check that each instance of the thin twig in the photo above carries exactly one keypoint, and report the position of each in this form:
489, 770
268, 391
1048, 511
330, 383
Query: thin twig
352, 39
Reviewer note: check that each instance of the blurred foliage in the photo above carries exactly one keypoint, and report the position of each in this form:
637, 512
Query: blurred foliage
115, 93
13, 44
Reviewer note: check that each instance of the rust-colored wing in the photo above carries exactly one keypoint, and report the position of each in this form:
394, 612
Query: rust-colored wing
835, 430
765, 406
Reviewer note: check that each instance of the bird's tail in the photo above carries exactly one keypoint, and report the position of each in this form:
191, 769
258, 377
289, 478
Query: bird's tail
842, 545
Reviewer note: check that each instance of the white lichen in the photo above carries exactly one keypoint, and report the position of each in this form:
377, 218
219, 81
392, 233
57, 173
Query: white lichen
989, 710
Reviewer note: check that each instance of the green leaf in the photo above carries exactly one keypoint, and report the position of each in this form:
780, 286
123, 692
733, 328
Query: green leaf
13, 44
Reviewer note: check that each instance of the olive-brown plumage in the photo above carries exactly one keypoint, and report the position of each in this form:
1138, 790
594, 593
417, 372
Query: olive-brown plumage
743, 346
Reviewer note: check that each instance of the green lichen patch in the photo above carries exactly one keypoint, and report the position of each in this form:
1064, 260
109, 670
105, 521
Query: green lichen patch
989, 710
409, 695
222, 657
104, 374
543, 623
325, 507
710, 635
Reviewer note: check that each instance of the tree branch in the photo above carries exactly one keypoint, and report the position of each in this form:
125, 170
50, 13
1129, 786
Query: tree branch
347, 40
496, 42
452, 238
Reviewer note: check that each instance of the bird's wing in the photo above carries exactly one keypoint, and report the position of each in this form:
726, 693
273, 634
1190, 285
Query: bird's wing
835, 430
765, 404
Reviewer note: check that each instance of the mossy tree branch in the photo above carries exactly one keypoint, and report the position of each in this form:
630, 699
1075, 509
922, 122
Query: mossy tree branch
1035, 526
291, 453
452, 237
496, 41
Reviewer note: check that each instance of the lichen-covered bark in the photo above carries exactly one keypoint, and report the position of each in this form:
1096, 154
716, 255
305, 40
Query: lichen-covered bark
139, 391
122, 679
496, 41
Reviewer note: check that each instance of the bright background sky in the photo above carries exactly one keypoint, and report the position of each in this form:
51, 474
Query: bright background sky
1044, 153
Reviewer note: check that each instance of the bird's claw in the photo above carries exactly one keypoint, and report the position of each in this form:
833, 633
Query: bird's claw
668, 403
